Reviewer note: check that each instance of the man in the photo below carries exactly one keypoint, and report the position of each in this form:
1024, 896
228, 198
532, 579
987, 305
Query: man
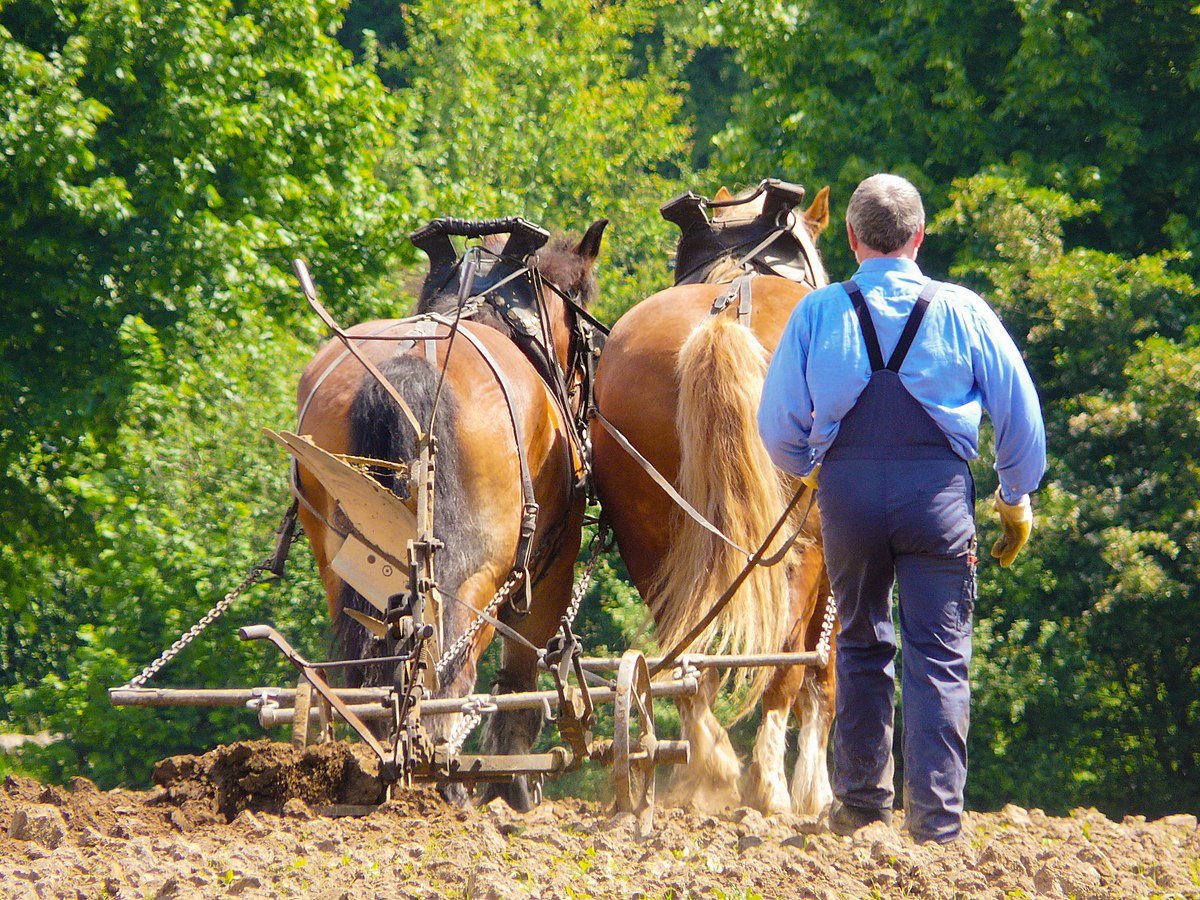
878, 386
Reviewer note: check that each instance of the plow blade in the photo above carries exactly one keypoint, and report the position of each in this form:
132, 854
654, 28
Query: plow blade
378, 516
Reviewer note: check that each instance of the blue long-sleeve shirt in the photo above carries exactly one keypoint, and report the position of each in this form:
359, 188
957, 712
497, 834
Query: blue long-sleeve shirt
961, 362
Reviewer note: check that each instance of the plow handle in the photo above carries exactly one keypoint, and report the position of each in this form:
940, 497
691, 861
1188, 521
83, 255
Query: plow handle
255, 633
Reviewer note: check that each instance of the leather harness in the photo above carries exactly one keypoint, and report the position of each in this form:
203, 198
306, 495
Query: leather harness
515, 290
711, 241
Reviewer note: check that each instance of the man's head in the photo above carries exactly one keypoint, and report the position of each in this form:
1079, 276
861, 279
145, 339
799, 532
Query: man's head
885, 218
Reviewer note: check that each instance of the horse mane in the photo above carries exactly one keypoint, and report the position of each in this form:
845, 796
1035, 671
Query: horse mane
724, 270
559, 263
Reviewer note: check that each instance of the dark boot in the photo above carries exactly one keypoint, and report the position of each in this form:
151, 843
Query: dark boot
845, 820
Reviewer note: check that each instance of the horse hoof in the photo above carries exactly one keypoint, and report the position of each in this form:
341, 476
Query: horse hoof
454, 794
516, 794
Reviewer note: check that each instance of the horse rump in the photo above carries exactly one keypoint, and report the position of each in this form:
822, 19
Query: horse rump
379, 429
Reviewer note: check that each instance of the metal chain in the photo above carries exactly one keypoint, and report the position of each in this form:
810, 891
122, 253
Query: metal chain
826, 631
596, 547
252, 578
465, 639
581, 587
472, 714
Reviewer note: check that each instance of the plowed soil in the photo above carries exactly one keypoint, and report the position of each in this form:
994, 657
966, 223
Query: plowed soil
249, 821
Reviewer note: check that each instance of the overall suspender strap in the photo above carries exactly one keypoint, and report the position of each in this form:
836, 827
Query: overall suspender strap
874, 354
911, 326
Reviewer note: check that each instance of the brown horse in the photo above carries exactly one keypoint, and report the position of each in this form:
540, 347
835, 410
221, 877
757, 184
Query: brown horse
494, 401
683, 385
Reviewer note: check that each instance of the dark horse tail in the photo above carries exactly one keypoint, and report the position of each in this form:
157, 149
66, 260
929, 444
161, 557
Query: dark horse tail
379, 429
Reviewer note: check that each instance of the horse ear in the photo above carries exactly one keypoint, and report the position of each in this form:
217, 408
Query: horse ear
816, 217
589, 247
722, 195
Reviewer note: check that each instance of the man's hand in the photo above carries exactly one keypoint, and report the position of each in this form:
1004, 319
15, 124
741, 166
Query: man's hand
810, 480
1017, 521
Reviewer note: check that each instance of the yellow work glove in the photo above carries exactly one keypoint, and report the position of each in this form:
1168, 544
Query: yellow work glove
810, 480
1017, 521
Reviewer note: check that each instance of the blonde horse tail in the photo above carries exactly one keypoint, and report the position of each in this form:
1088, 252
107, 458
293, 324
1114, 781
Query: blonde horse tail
726, 474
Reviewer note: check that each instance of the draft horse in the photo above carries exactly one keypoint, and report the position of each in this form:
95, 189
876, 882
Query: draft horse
508, 490
680, 378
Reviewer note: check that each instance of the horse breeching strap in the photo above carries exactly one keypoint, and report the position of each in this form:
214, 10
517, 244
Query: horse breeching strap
310, 294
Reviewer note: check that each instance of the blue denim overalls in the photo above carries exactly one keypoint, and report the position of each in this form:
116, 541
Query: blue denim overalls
897, 505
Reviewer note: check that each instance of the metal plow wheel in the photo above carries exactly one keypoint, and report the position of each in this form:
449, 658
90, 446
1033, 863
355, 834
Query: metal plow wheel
634, 742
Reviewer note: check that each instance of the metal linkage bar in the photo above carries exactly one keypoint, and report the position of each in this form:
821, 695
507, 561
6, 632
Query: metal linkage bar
366, 703
707, 661
271, 717
223, 697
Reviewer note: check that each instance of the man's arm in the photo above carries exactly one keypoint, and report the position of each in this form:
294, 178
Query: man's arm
1012, 403
785, 414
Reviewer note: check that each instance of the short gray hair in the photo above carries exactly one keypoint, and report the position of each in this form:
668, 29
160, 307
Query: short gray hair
885, 212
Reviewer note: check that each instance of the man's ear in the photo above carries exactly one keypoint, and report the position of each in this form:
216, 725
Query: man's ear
589, 247
917, 240
722, 195
816, 217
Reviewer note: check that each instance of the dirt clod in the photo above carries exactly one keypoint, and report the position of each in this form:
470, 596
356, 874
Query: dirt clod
250, 821
41, 824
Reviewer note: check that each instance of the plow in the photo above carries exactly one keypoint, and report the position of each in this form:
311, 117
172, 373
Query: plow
389, 557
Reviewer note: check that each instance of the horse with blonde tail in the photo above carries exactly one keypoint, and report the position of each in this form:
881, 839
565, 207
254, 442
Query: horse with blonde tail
680, 381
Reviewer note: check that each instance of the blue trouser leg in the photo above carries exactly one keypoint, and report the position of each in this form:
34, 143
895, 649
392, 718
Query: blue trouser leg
854, 533
937, 698
911, 522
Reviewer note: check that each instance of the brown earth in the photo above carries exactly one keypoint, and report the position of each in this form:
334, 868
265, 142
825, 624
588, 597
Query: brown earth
245, 821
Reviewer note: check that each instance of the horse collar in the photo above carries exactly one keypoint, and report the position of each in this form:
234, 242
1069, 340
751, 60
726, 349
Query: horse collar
767, 240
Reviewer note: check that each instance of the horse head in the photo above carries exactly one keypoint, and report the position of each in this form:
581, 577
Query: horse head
567, 267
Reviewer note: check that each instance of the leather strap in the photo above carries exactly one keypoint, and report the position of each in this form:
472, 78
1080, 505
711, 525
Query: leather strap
744, 299
662, 482
341, 358
756, 559
529, 505
346, 339
741, 290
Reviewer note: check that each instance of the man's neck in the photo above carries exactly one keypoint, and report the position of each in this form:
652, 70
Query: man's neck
862, 254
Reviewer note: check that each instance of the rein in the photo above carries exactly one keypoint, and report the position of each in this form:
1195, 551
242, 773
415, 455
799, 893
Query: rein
755, 560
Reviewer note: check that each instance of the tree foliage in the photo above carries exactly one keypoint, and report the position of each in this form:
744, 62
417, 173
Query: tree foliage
531, 107
161, 164
1095, 98
1087, 669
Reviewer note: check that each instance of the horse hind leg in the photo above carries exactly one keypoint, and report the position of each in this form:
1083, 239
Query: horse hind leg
766, 787
709, 783
813, 707
515, 731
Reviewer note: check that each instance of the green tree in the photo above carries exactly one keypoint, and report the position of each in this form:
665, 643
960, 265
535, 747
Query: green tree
1099, 99
543, 110
170, 517
159, 167
1087, 671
